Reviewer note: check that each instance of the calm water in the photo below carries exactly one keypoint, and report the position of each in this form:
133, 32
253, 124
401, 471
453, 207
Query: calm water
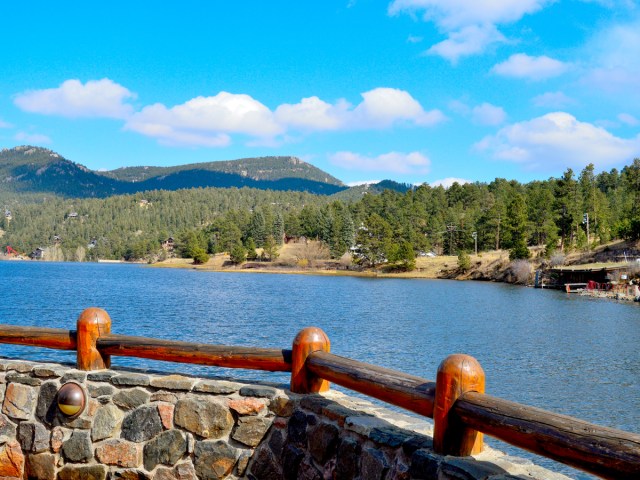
568, 354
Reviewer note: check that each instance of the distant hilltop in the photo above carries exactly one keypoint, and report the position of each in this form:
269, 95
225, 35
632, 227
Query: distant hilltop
39, 170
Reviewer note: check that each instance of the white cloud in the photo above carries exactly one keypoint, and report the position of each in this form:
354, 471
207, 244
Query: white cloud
553, 100
312, 114
470, 26
447, 182
521, 65
452, 14
559, 139
206, 121
483, 114
470, 40
459, 107
394, 162
628, 119
213, 121
5, 124
32, 138
487, 114
614, 57
380, 108
96, 98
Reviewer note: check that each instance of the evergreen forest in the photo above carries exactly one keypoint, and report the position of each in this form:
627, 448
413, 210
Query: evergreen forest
566, 213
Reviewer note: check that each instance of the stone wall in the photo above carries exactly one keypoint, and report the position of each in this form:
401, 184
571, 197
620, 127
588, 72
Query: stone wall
140, 425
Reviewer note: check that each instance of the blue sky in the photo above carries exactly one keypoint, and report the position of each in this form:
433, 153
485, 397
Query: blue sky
412, 90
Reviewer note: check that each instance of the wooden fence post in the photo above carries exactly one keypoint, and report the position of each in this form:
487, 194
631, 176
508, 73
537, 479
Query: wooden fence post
457, 374
308, 340
92, 323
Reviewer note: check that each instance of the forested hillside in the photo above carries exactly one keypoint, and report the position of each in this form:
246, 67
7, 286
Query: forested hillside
38, 170
391, 226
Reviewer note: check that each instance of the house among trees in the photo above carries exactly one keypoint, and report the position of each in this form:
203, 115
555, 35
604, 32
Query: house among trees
168, 244
73, 215
294, 239
93, 243
7, 214
144, 203
56, 239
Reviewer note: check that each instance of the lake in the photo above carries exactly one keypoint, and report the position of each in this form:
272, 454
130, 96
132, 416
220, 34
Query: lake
569, 354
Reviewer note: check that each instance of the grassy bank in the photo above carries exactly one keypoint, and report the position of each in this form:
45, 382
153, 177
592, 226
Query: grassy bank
487, 266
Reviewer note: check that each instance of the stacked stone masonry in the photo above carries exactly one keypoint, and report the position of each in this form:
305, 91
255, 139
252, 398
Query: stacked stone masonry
150, 426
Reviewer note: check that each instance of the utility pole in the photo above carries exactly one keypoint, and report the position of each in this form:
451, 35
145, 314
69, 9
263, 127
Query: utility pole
475, 239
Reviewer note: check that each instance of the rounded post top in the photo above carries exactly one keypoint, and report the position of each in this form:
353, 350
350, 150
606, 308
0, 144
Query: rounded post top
460, 364
312, 335
94, 317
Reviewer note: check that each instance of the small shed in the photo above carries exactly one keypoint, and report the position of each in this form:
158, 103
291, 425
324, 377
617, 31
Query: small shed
38, 254
579, 274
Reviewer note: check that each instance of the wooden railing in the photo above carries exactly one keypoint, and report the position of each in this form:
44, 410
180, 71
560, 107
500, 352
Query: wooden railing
456, 401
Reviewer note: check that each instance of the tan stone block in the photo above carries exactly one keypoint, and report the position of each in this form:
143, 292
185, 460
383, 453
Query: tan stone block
166, 414
57, 438
246, 406
11, 460
120, 453
19, 401
41, 466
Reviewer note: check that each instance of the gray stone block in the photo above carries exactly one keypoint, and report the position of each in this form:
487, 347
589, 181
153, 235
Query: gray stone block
33, 437
374, 465
258, 391
47, 409
323, 440
23, 379
291, 459
424, 465
131, 379
131, 398
348, 459
106, 422
141, 424
166, 449
78, 448
204, 417
251, 430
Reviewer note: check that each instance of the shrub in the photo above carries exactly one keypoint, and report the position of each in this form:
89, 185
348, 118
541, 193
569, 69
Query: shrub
238, 254
557, 259
199, 256
520, 272
464, 261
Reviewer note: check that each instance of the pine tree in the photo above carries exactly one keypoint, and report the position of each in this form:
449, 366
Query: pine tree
516, 227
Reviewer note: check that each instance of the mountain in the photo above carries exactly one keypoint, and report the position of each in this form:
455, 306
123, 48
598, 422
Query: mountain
39, 170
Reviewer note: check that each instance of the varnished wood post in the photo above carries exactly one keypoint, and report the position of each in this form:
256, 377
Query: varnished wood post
457, 374
309, 340
92, 323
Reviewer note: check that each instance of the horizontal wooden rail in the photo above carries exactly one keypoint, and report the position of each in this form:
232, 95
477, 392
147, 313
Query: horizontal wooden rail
407, 391
606, 452
269, 359
56, 338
